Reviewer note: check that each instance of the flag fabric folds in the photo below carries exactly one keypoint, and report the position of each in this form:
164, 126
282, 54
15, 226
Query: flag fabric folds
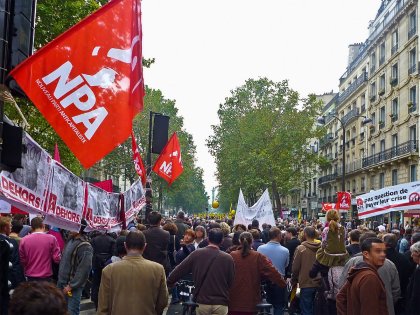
343, 200
169, 163
138, 163
88, 82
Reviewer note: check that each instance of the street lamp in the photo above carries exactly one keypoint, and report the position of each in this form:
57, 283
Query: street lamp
321, 121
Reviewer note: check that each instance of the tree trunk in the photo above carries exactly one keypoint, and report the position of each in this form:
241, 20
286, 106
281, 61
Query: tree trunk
277, 198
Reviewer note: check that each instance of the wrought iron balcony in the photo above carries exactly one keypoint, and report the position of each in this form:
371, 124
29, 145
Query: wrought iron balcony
353, 87
411, 32
394, 49
327, 178
350, 115
407, 148
412, 69
350, 167
328, 138
412, 107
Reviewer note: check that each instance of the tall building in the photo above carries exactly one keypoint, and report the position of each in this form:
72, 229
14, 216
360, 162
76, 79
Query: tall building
381, 82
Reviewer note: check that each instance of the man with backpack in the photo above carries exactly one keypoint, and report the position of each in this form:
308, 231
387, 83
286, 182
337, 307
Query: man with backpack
103, 248
75, 266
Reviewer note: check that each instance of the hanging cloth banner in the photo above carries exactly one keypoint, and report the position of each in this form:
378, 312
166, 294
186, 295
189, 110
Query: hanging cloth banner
134, 201
103, 209
262, 211
65, 199
343, 200
26, 187
169, 163
394, 198
138, 163
88, 82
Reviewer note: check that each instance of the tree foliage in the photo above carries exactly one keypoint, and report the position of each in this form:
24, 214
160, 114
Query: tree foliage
261, 140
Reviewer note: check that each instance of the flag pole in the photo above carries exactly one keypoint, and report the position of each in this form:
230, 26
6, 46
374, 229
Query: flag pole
149, 196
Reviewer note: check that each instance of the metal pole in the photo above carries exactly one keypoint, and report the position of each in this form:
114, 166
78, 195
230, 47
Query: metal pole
343, 180
149, 196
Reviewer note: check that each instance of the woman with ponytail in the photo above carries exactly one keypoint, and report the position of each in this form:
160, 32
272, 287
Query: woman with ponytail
250, 268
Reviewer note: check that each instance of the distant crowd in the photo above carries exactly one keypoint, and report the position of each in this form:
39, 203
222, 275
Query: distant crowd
306, 267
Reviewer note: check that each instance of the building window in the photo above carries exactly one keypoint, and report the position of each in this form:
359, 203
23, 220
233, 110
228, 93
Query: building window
382, 117
372, 63
362, 184
413, 133
354, 186
394, 74
382, 84
372, 149
382, 53
394, 177
412, 104
394, 46
412, 61
373, 91
394, 145
412, 25
413, 173
362, 102
372, 182
395, 110
381, 180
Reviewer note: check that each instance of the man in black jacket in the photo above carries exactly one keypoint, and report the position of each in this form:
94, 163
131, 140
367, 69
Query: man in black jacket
291, 244
157, 241
103, 248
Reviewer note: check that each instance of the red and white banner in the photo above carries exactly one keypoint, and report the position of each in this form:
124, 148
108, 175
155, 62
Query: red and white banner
343, 200
328, 206
138, 163
134, 201
103, 209
169, 163
26, 187
394, 198
66, 199
88, 82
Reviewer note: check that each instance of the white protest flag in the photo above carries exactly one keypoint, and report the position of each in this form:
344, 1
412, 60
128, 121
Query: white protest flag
66, 198
103, 209
134, 200
262, 211
25, 188
394, 198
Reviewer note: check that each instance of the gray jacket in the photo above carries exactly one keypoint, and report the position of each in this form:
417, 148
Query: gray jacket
389, 275
82, 263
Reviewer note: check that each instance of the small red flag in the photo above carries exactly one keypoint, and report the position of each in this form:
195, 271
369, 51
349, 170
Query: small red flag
328, 206
88, 82
105, 185
169, 163
138, 163
343, 200
57, 154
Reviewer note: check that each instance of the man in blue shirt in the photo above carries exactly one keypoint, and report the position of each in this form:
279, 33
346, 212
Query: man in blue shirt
279, 256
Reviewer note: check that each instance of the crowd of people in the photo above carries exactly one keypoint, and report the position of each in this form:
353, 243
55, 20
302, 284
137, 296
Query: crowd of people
306, 267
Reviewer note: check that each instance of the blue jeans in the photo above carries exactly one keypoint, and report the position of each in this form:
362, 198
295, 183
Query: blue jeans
73, 302
277, 297
307, 297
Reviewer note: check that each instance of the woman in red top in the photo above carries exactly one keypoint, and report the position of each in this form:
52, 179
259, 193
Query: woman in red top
250, 268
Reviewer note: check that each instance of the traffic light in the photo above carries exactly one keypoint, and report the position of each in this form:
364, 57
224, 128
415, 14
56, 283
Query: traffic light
21, 37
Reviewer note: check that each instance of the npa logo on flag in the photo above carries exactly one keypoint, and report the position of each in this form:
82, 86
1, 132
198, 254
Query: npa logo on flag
343, 200
138, 163
169, 163
88, 82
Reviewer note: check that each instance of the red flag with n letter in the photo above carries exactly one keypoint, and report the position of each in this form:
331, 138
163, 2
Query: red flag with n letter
343, 200
138, 163
169, 163
88, 82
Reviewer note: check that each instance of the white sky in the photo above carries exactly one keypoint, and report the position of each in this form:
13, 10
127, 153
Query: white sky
204, 49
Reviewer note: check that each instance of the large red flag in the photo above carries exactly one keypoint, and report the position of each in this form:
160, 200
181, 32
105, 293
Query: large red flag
169, 163
88, 82
138, 163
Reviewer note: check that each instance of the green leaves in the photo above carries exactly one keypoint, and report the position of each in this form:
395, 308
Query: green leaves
262, 139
